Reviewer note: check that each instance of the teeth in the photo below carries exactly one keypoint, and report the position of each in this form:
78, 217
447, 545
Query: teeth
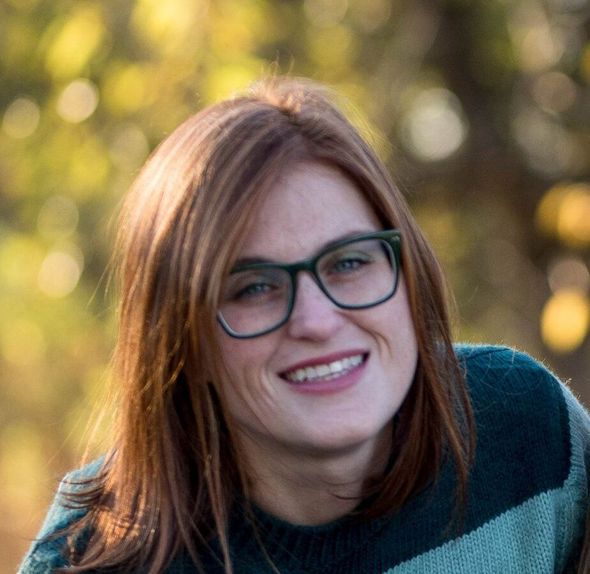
337, 366
324, 372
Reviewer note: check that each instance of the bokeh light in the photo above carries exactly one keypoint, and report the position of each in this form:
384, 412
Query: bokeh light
569, 272
538, 44
434, 126
77, 101
75, 40
565, 320
125, 88
554, 91
325, 13
573, 223
60, 272
21, 118
370, 15
548, 147
564, 212
167, 26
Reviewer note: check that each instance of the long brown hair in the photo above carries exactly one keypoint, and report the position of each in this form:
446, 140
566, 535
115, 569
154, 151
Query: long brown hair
174, 471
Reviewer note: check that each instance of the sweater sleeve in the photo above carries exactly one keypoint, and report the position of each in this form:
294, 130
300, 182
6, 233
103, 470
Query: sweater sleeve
576, 488
46, 553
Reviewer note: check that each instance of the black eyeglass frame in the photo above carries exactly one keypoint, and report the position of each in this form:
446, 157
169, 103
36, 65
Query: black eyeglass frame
392, 237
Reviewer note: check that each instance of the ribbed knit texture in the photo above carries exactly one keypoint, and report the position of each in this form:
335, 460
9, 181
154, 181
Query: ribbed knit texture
528, 496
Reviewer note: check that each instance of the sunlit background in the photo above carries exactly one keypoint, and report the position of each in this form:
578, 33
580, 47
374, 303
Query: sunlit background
480, 108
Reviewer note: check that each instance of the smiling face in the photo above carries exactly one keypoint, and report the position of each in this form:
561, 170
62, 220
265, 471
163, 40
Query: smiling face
330, 380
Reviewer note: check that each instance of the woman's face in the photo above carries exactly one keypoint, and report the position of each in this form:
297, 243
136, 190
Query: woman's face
308, 207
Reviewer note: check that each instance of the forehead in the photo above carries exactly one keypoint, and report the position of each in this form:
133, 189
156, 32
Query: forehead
309, 205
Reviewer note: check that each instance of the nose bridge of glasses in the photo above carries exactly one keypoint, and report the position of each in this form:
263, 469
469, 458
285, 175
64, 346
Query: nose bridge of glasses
307, 265
305, 272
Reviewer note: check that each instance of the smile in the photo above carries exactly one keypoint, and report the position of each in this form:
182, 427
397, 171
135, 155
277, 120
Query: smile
325, 371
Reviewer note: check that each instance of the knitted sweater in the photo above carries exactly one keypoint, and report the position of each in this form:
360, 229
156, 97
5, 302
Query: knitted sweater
528, 494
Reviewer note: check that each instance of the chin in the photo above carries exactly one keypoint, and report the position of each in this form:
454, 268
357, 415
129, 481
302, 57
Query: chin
362, 436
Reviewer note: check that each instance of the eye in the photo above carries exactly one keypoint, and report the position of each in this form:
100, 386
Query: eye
347, 262
256, 286
350, 263
252, 290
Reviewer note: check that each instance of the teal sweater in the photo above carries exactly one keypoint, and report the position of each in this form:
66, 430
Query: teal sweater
528, 496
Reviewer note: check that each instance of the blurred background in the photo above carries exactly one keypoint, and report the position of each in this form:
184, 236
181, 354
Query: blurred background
481, 109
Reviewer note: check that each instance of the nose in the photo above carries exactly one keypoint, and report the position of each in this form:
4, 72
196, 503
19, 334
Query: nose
314, 316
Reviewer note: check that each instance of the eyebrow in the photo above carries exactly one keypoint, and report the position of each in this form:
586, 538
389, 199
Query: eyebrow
254, 259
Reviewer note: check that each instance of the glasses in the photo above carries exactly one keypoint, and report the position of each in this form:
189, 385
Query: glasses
355, 273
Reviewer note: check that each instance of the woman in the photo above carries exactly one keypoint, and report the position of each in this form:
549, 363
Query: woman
288, 396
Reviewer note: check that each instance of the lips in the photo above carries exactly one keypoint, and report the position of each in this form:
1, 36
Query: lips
324, 369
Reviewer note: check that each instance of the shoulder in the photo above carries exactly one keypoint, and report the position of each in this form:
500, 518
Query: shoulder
533, 443
47, 550
505, 383
503, 367
512, 392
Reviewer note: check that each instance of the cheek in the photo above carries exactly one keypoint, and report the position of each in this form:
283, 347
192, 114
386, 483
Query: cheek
396, 326
247, 364
406, 333
244, 356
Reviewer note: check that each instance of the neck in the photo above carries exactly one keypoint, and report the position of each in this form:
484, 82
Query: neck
313, 488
